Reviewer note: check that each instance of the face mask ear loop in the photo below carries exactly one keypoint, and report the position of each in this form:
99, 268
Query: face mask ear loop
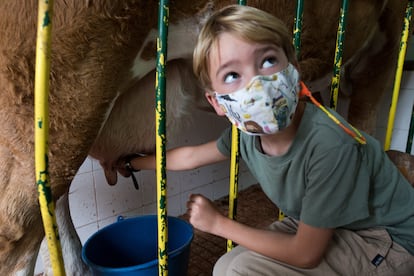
354, 133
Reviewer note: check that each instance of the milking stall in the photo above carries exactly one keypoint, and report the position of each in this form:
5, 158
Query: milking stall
89, 83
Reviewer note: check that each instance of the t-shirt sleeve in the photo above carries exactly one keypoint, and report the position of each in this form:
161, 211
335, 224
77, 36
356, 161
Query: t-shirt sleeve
224, 142
337, 189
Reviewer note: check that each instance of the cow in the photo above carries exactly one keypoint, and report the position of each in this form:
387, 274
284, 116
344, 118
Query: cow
104, 50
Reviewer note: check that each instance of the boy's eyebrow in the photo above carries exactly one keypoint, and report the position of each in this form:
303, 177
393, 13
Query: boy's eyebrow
258, 51
224, 66
268, 48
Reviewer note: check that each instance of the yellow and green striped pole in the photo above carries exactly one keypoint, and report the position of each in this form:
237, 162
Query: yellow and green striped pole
338, 55
398, 74
297, 28
234, 179
47, 206
297, 32
160, 107
234, 170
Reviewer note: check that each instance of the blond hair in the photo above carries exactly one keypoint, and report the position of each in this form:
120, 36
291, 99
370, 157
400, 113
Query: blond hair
248, 23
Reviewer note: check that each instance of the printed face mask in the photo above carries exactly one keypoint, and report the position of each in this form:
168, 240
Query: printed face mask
266, 105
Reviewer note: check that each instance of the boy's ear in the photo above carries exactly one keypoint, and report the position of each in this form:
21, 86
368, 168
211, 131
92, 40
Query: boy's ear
213, 101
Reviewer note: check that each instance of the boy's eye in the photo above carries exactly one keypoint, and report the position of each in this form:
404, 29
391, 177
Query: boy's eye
269, 62
231, 77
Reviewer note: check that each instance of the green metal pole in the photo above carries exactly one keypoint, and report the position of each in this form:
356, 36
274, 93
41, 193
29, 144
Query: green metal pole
297, 29
297, 32
160, 107
338, 54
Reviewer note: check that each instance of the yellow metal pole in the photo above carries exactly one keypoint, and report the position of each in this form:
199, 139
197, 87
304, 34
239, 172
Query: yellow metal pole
398, 74
160, 107
297, 32
47, 206
338, 55
234, 172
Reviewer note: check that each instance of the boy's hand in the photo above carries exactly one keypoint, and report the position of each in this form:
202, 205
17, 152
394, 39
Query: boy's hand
202, 213
123, 165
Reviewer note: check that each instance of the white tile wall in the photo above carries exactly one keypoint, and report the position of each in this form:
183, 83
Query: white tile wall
402, 115
94, 204
104, 203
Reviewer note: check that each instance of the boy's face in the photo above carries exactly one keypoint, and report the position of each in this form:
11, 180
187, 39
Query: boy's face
233, 62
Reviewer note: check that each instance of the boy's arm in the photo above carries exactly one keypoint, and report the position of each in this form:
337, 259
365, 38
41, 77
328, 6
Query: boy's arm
183, 158
304, 249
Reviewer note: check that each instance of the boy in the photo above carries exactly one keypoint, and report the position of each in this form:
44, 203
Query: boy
349, 211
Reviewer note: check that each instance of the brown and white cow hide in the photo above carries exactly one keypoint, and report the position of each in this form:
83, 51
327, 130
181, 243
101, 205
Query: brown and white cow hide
103, 50
126, 131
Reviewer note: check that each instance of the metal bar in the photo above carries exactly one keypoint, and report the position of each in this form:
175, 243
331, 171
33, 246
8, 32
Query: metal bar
234, 170
41, 121
398, 74
234, 179
338, 54
297, 29
410, 133
297, 32
160, 107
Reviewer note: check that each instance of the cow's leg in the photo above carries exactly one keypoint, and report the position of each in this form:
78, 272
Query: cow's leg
20, 223
17, 250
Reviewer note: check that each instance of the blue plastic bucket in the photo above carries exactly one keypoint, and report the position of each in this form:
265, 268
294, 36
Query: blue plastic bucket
129, 247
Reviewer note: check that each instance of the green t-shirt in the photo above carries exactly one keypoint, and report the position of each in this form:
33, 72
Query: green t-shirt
327, 179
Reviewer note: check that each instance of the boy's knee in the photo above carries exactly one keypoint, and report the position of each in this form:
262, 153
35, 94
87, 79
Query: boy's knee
241, 263
220, 267
227, 262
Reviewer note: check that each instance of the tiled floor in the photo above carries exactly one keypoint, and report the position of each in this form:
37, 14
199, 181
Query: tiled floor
253, 208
